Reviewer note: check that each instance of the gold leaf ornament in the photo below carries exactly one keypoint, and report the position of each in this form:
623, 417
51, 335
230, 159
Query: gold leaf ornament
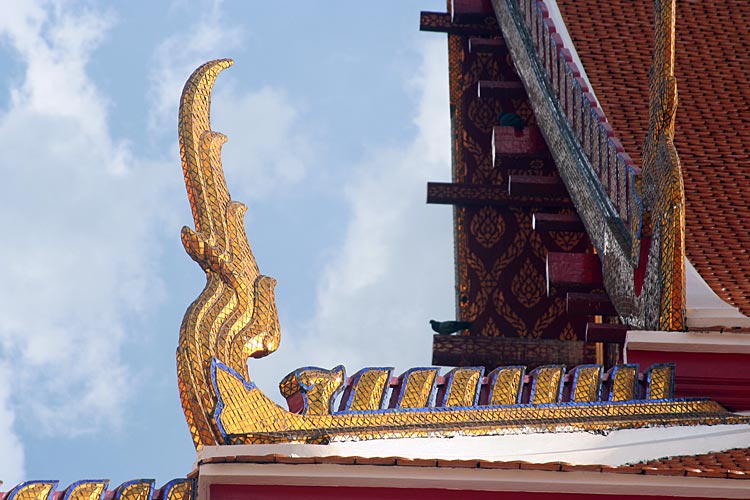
235, 315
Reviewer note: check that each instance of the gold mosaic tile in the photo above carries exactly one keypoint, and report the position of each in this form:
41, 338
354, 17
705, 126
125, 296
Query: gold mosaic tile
235, 318
368, 390
96, 489
586, 383
86, 490
32, 490
138, 489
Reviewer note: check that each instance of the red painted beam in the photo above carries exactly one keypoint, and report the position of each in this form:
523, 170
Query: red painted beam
382, 490
723, 377
573, 271
447, 193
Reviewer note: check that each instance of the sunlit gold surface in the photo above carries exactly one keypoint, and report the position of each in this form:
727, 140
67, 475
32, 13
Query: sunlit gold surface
547, 385
418, 385
463, 387
660, 382
248, 417
318, 387
368, 389
135, 490
506, 383
235, 318
91, 489
662, 188
87, 490
235, 315
622, 382
32, 490
587, 382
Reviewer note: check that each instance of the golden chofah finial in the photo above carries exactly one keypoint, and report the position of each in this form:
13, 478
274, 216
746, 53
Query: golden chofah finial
235, 315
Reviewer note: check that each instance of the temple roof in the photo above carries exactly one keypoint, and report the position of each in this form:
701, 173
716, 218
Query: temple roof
731, 464
712, 55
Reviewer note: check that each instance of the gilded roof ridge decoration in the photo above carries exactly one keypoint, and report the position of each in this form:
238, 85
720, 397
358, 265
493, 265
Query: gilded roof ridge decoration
235, 318
636, 220
96, 489
661, 187
235, 315
713, 152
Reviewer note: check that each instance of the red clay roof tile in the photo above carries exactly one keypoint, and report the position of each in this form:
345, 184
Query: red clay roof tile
733, 464
614, 42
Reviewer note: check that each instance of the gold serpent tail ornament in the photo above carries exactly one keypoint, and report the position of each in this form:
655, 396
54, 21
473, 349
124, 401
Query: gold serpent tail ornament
235, 315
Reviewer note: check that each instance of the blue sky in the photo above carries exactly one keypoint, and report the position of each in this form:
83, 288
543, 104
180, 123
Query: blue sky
337, 116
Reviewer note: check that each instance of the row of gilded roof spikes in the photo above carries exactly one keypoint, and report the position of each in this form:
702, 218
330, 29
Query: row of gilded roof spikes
96, 489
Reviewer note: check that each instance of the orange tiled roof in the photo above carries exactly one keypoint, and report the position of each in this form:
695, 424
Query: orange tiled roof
732, 464
614, 41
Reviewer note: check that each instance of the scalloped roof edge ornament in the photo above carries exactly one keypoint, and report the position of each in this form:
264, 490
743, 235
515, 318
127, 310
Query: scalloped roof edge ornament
235, 318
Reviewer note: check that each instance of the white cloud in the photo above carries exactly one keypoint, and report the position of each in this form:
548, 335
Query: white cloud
77, 219
11, 451
266, 147
81, 212
394, 270
210, 37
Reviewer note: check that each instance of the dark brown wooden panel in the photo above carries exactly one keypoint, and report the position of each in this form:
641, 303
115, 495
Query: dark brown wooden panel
441, 22
476, 11
538, 186
491, 352
569, 223
608, 334
589, 304
447, 193
486, 45
500, 260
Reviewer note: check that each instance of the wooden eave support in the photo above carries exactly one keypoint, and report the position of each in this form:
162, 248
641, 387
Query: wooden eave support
542, 186
573, 271
470, 350
447, 193
545, 222
464, 11
606, 333
441, 22
589, 304
487, 45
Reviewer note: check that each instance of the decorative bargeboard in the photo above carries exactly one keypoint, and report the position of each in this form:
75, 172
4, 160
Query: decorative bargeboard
235, 318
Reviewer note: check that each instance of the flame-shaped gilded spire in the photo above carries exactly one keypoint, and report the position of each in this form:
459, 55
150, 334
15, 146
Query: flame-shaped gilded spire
235, 315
